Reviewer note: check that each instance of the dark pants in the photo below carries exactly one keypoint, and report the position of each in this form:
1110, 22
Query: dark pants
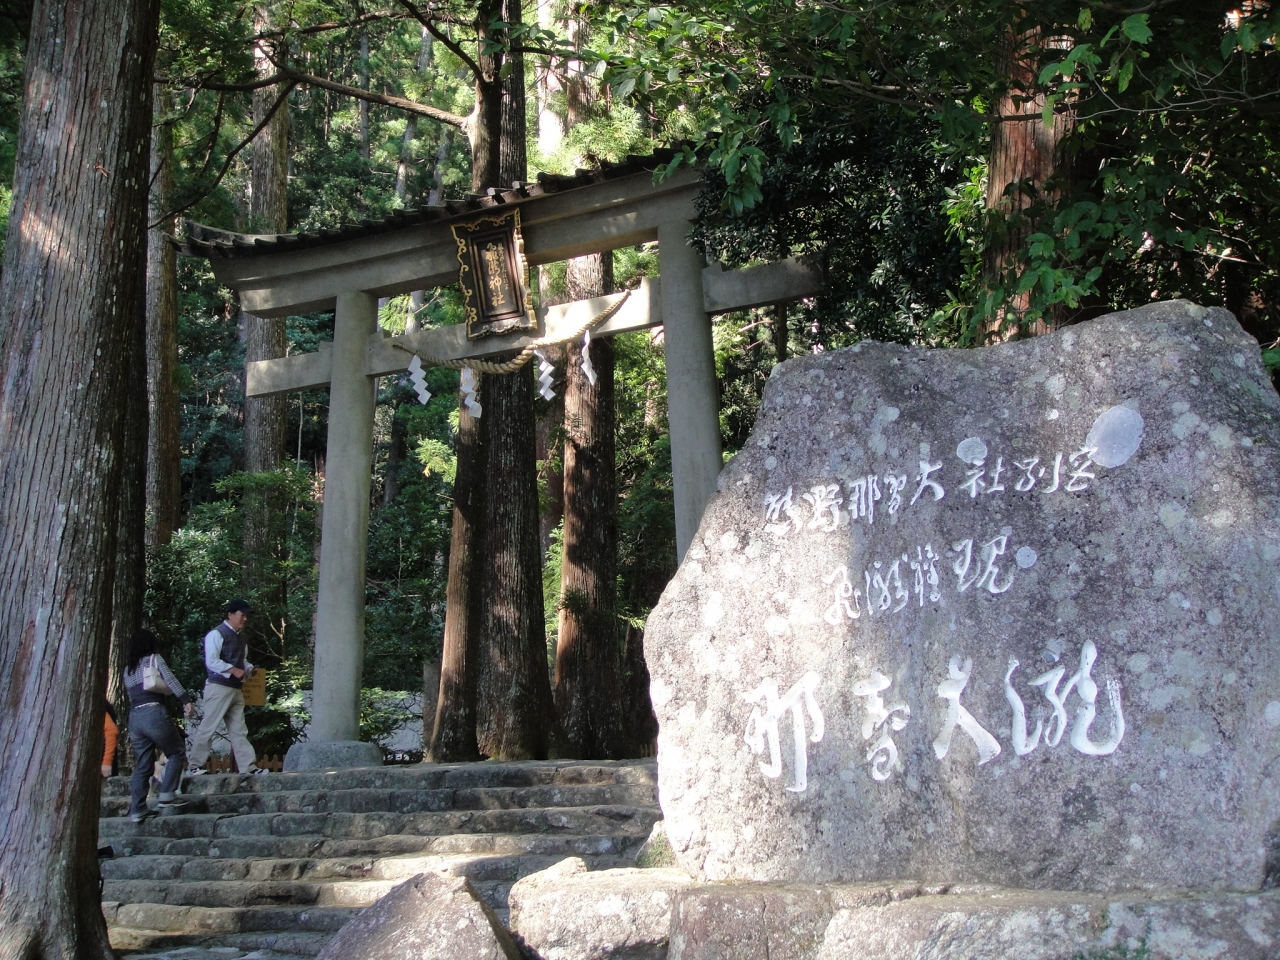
150, 729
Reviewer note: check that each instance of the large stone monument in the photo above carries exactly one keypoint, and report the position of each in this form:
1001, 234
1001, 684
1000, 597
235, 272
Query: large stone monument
1006, 616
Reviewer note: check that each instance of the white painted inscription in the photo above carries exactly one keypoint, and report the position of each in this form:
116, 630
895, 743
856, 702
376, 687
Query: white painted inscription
957, 716
762, 726
883, 755
1113, 439
883, 716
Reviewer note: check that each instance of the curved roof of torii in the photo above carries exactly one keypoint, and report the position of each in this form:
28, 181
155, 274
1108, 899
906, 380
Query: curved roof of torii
613, 205
211, 242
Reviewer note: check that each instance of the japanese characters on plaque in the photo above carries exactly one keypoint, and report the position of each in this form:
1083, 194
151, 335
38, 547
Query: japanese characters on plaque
1058, 709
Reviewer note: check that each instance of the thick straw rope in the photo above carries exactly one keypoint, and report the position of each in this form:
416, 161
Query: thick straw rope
521, 358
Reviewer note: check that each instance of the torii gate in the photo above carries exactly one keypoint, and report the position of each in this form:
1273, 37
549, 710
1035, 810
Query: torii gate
349, 269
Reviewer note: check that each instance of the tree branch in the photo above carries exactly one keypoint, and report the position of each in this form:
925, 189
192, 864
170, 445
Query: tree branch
286, 88
398, 103
359, 21
224, 86
430, 25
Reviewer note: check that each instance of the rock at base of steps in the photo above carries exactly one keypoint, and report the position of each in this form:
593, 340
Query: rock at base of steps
568, 913
874, 921
425, 918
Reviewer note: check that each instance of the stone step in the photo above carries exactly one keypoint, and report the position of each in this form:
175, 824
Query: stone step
320, 847
289, 856
369, 800
235, 893
160, 945
419, 777
194, 920
604, 819
476, 867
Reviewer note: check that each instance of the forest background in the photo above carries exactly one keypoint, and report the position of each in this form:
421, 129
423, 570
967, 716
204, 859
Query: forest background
989, 172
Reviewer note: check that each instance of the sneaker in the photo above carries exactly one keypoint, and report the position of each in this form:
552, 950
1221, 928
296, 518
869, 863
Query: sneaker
144, 815
256, 771
197, 771
176, 804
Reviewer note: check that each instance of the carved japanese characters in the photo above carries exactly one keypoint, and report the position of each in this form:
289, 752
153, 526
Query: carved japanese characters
1006, 615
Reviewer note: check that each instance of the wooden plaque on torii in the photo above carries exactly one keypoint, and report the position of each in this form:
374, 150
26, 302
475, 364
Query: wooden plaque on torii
493, 274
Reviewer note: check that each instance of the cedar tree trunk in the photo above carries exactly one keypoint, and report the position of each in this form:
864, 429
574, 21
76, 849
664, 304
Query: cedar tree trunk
69, 312
265, 418
515, 716
588, 693
164, 455
1024, 172
453, 738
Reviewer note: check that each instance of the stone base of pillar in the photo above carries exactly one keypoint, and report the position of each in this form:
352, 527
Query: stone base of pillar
331, 755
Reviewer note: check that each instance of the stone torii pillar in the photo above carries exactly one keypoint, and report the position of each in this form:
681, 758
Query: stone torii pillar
693, 407
339, 656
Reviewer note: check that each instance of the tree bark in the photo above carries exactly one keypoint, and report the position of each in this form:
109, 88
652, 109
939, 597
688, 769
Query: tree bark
363, 105
515, 711
436, 196
131, 554
164, 454
1024, 169
265, 418
453, 738
411, 125
588, 693
69, 313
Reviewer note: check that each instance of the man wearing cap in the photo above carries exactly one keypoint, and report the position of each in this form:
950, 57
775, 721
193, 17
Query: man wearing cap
226, 665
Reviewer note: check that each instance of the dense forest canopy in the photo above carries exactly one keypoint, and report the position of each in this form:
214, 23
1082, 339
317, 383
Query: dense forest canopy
961, 171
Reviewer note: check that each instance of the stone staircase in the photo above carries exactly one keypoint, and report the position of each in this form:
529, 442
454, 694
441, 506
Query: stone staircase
278, 863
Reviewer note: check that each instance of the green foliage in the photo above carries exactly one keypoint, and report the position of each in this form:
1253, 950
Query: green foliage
1167, 182
551, 582
382, 714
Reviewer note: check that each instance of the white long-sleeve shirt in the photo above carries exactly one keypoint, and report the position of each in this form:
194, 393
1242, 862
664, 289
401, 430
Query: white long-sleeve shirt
213, 654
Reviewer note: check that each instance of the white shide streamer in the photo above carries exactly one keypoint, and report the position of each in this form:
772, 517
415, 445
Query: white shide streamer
545, 371
468, 385
587, 369
418, 377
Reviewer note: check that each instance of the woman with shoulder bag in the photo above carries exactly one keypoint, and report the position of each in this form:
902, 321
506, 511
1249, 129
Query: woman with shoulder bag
148, 679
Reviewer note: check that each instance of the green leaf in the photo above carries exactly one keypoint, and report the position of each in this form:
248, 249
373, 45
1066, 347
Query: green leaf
1085, 20
1125, 75
1136, 29
622, 89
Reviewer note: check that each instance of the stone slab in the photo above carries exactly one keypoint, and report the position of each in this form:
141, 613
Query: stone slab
428, 917
331, 755
568, 913
1006, 615
934, 922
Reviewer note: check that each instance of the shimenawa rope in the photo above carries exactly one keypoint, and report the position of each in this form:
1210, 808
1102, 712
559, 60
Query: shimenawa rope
521, 358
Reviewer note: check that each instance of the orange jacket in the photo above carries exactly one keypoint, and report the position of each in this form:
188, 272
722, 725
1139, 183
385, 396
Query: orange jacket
112, 737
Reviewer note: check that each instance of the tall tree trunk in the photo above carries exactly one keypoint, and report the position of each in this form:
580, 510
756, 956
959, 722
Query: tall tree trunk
131, 554
453, 738
515, 712
411, 125
1024, 169
454, 734
588, 693
436, 196
69, 312
363, 105
164, 455
265, 418
780, 332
